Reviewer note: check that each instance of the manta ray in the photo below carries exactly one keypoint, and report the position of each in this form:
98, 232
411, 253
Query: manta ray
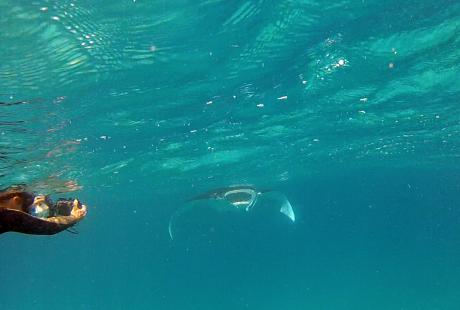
238, 198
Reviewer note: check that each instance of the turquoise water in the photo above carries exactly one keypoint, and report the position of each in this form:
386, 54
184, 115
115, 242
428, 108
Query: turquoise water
349, 108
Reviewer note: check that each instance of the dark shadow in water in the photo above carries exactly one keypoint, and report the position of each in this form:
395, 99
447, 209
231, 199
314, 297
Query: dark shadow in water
12, 103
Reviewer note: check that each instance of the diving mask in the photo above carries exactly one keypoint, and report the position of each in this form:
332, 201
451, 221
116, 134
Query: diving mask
39, 208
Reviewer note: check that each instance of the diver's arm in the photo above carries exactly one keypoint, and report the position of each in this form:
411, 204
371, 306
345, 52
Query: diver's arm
63, 220
76, 215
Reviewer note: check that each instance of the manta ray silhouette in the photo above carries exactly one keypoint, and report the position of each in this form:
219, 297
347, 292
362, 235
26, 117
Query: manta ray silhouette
240, 198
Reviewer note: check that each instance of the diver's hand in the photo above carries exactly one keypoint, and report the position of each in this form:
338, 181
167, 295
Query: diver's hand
78, 210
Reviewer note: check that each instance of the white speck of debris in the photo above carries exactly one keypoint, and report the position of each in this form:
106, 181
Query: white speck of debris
44, 9
55, 18
362, 112
209, 102
316, 140
363, 99
103, 137
193, 131
437, 116
282, 98
260, 105
341, 62
234, 97
304, 82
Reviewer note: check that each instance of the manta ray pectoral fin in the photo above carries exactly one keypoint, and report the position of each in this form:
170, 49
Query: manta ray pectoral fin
172, 220
170, 229
287, 210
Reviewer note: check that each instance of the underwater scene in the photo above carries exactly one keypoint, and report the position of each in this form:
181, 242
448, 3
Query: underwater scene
253, 154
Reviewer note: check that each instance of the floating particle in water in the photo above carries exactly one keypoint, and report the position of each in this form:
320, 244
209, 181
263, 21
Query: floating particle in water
362, 112
55, 18
209, 102
340, 63
364, 99
391, 65
153, 48
260, 105
44, 9
282, 98
59, 99
304, 82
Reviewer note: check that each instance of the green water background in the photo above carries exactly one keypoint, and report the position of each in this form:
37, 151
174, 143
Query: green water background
349, 108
